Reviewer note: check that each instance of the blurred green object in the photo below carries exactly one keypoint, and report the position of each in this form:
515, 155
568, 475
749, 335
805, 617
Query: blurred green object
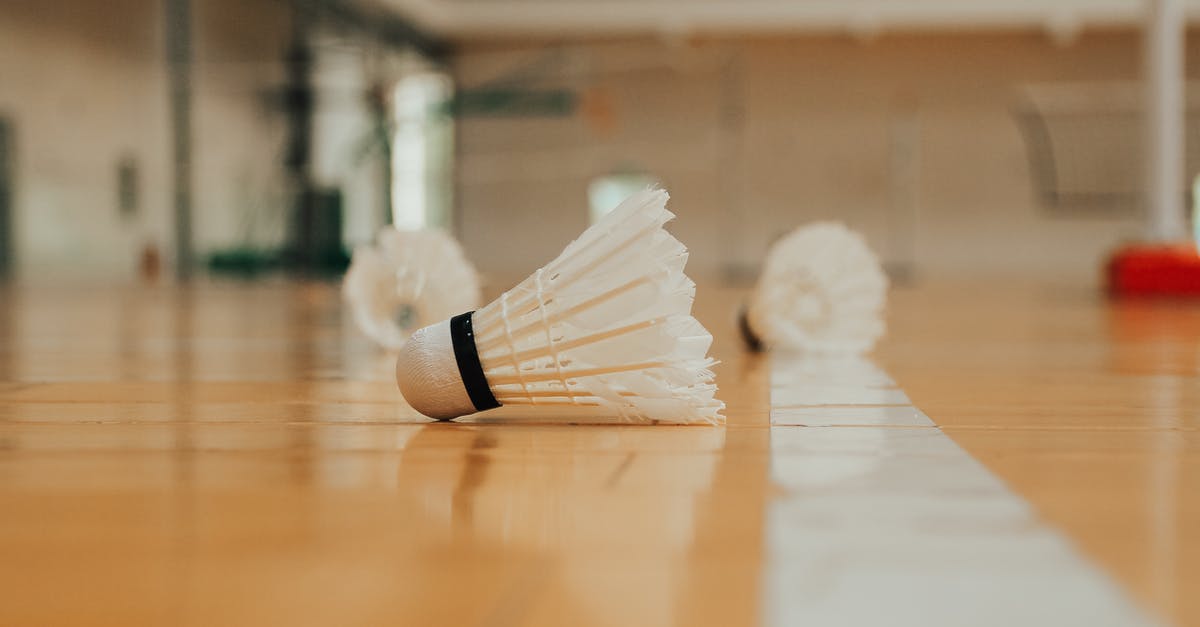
318, 251
244, 262
507, 101
254, 262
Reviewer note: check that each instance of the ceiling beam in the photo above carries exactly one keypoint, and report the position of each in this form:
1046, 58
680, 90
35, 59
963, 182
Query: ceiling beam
548, 18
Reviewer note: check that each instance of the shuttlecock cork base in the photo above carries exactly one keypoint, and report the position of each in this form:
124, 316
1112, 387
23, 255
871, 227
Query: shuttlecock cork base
441, 375
607, 325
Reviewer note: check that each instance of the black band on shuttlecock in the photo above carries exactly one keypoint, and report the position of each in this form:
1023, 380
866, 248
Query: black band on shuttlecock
462, 336
753, 342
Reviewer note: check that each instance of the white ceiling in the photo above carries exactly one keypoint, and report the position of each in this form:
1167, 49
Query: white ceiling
554, 18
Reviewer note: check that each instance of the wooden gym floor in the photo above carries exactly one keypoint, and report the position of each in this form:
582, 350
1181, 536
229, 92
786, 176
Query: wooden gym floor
231, 454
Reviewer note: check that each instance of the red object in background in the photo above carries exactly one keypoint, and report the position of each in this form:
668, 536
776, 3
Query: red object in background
1155, 269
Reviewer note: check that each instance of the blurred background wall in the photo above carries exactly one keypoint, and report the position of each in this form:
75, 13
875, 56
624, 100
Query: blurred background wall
82, 89
915, 138
910, 138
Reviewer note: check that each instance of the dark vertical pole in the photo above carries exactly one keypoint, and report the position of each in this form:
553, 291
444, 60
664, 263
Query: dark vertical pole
731, 117
9, 296
383, 116
7, 179
904, 182
179, 71
298, 159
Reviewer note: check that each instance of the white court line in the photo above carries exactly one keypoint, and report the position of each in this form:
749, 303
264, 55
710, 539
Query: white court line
837, 416
798, 382
879, 525
808, 395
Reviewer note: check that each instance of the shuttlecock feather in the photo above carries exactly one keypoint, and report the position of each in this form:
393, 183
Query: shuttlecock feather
821, 290
606, 325
407, 280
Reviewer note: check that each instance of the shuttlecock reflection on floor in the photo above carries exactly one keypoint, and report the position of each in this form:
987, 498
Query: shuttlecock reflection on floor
821, 290
605, 325
407, 280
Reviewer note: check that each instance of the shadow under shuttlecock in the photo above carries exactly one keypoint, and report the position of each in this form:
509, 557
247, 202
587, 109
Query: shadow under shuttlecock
559, 415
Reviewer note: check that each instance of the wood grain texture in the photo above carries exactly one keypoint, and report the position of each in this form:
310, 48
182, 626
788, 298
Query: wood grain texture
1088, 407
238, 454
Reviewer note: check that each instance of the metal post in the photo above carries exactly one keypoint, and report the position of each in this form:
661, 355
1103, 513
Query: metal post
731, 122
1165, 119
179, 71
298, 108
7, 183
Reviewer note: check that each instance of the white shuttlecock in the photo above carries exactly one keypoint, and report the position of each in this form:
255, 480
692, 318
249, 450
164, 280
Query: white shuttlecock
406, 281
606, 325
821, 290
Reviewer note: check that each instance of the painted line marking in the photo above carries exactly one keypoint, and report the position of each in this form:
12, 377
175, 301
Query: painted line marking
879, 525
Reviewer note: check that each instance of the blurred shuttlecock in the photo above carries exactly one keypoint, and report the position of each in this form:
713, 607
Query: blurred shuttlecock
606, 325
821, 290
407, 280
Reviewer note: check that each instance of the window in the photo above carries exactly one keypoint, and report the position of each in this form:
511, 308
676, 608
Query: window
606, 192
422, 151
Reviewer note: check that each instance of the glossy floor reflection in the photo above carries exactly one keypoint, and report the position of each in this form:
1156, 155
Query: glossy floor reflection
879, 504
238, 454
1087, 407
